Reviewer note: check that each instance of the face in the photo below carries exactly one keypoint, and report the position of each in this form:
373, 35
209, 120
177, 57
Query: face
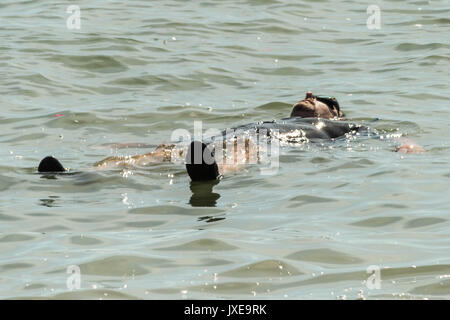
311, 107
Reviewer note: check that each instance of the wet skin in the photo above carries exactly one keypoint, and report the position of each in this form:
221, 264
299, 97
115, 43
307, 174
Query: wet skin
314, 117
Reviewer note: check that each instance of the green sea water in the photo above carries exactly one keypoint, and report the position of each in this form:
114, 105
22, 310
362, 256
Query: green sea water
137, 70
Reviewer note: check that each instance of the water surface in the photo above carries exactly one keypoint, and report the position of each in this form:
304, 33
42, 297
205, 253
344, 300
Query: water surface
135, 71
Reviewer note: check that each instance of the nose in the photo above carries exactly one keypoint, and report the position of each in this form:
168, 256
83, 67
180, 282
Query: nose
309, 94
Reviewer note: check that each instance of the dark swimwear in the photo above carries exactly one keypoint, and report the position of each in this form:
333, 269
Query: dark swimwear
310, 128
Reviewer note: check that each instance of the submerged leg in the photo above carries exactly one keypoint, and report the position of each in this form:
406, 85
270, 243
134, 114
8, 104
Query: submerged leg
50, 164
162, 153
200, 162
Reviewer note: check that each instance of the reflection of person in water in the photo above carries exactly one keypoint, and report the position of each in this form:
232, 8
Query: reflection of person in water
313, 118
203, 195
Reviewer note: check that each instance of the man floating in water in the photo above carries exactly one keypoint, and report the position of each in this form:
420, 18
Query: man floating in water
315, 118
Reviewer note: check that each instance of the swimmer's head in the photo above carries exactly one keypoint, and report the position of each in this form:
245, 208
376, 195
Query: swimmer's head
317, 107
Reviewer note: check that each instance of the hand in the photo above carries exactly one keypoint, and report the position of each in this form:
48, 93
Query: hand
410, 148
